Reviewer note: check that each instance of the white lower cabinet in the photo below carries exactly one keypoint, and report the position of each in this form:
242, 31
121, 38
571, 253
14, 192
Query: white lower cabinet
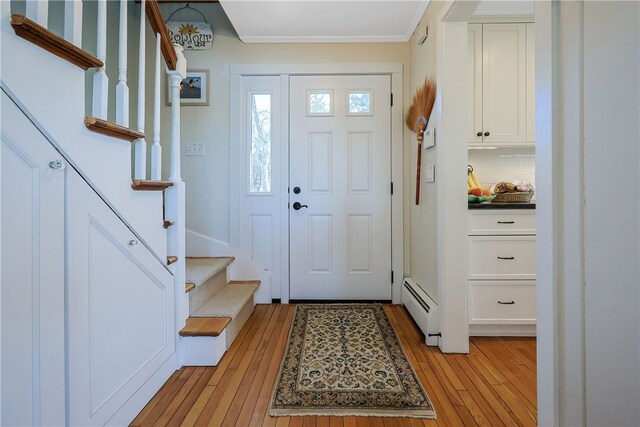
502, 272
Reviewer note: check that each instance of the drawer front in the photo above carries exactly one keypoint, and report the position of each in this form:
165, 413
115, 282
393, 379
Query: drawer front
502, 222
502, 302
502, 257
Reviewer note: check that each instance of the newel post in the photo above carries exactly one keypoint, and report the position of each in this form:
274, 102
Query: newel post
175, 199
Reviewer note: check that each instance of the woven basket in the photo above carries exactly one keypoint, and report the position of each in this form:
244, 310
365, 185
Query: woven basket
513, 198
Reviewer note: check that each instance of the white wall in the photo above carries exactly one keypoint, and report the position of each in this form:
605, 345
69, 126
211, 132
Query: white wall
207, 177
420, 236
588, 104
612, 212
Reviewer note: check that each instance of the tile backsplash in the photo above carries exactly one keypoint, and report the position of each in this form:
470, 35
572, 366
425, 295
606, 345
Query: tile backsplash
503, 164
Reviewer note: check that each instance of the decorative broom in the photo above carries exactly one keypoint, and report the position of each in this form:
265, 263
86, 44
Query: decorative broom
417, 119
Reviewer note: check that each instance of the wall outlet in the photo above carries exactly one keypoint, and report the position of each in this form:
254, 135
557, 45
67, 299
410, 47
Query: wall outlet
430, 174
194, 149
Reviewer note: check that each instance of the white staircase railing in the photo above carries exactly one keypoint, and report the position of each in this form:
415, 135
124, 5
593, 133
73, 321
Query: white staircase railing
175, 64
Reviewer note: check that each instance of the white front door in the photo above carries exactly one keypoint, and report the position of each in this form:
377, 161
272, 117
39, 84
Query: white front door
340, 174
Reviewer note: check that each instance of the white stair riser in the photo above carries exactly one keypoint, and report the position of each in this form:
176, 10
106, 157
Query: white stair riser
203, 351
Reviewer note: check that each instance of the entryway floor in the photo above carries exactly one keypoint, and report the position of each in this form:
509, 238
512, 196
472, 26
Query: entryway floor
493, 385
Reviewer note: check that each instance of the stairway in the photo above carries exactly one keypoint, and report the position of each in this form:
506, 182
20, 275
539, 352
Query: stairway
218, 308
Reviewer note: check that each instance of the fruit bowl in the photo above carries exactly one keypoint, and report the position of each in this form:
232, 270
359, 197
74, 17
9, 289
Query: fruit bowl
476, 199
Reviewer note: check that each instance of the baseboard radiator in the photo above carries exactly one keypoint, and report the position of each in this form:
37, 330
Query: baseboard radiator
423, 310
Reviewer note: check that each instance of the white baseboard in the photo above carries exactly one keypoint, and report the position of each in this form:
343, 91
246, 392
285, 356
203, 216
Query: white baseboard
502, 330
243, 268
203, 351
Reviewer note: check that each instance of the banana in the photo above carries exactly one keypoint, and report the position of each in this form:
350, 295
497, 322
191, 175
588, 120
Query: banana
475, 180
470, 183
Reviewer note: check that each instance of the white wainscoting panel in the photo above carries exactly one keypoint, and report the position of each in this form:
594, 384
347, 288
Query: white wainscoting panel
121, 313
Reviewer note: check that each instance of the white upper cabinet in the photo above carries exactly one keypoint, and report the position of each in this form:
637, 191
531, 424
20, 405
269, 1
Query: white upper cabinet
531, 84
474, 83
501, 100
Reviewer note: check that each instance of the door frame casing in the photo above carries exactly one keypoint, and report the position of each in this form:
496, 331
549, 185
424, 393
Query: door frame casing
395, 71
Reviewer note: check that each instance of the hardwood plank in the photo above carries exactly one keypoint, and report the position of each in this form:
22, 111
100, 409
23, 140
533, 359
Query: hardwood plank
182, 393
156, 399
189, 401
252, 381
487, 387
157, 411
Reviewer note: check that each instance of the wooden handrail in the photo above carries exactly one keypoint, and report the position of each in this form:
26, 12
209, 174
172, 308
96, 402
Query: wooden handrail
157, 24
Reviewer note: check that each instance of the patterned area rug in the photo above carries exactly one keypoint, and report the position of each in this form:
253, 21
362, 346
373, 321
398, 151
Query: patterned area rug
345, 360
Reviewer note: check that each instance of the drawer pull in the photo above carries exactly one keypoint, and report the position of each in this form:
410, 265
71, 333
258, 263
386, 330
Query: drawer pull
506, 222
506, 257
506, 302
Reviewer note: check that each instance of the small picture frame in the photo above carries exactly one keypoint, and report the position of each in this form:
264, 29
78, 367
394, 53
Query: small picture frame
194, 89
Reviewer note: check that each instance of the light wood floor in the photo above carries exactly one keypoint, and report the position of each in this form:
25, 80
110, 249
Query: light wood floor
494, 385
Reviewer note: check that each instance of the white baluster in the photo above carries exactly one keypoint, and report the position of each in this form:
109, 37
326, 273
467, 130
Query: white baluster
156, 148
140, 150
100, 79
122, 90
38, 11
175, 196
73, 21
176, 77
174, 165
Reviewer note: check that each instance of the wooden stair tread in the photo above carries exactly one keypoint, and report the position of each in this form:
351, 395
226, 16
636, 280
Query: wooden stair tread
167, 223
188, 287
104, 127
42, 37
228, 302
204, 326
201, 269
149, 185
171, 259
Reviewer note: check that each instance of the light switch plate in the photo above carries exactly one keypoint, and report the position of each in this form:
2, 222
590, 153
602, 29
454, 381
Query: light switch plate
429, 138
194, 149
430, 173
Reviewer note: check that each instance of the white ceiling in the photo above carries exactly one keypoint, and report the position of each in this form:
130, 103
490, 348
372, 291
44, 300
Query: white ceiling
505, 8
313, 21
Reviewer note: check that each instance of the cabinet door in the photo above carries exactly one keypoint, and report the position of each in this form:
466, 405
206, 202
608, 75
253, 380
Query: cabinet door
504, 87
32, 199
531, 83
474, 83
120, 312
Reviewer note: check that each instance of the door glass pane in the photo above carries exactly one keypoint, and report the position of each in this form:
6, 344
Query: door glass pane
359, 102
320, 102
260, 156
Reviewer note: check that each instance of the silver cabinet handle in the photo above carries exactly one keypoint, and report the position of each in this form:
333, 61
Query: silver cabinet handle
133, 242
56, 164
506, 257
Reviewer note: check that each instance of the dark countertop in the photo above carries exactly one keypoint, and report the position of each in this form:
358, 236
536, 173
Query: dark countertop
490, 205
